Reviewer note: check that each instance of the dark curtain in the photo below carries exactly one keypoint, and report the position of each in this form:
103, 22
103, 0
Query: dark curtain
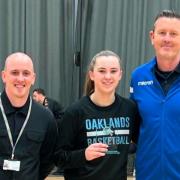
51, 31
122, 26
44, 30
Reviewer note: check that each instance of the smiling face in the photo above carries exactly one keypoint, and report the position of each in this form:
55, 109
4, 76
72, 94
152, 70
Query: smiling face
18, 76
166, 38
106, 74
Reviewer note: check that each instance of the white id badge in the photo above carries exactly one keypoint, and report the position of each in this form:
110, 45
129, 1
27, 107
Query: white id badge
12, 165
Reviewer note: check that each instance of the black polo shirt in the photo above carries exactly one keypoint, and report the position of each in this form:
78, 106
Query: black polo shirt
15, 115
167, 78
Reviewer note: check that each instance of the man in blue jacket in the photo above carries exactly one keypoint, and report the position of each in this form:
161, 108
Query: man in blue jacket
155, 87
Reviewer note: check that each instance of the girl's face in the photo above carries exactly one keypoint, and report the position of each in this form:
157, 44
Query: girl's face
106, 74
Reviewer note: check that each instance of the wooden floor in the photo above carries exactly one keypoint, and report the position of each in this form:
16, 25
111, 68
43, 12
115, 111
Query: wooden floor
61, 178
55, 178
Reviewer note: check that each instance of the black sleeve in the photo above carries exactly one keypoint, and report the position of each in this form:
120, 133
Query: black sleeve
135, 128
58, 110
48, 149
132, 148
68, 155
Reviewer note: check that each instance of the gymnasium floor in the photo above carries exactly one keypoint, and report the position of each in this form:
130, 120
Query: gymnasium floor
61, 178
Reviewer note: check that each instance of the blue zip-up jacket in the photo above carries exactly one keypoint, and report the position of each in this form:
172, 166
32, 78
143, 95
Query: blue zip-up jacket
158, 150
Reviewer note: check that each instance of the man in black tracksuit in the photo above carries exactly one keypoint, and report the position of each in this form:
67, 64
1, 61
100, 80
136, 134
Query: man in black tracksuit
55, 107
28, 132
